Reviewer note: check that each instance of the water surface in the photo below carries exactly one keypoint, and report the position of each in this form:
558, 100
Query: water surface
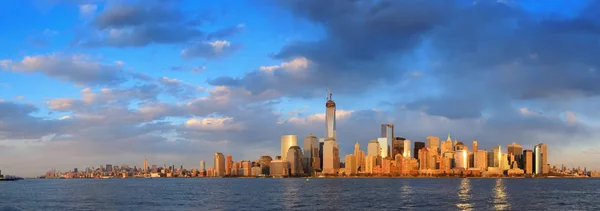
297, 194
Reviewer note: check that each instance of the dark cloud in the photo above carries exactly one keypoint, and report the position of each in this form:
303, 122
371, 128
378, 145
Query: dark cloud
148, 22
17, 122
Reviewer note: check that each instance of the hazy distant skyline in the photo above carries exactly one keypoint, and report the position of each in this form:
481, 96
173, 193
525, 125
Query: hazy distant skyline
96, 82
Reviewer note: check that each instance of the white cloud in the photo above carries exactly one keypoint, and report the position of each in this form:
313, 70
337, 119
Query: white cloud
317, 118
87, 10
20, 98
206, 49
65, 118
570, 117
299, 63
214, 124
61, 104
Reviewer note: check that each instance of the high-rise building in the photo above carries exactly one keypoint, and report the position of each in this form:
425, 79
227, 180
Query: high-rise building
373, 148
311, 154
448, 144
387, 132
433, 143
331, 156
279, 168
397, 146
145, 165
109, 168
360, 156
497, 157
202, 166
330, 118
407, 152
384, 147
481, 159
460, 159
287, 141
294, 157
351, 164
423, 158
544, 161
540, 159
370, 163
528, 161
321, 144
475, 147
517, 151
219, 164
418, 146
228, 164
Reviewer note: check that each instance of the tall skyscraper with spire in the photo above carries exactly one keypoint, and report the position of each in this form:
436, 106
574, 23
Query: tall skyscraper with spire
330, 117
331, 156
145, 165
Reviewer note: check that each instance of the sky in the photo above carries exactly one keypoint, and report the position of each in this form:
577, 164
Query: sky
94, 82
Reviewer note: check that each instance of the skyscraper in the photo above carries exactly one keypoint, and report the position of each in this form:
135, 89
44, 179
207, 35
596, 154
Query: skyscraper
407, 152
287, 141
528, 161
481, 160
475, 147
331, 156
460, 159
497, 157
418, 145
294, 157
544, 161
539, 160
145, 165
397, 146
311, 154
202, 165
384, 147
373, 148
219, 164
351, 164
517, 151
433, 143
228, 164
330, 117
387, 132
360, 156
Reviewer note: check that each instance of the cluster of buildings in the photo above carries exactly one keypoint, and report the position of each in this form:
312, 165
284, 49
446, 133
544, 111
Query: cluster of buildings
388, 155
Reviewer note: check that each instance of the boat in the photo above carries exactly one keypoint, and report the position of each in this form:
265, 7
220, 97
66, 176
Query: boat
147, 177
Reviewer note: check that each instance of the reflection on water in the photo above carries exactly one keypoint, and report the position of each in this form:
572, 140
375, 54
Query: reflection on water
290, 194
406, 194
500, 198
464, 195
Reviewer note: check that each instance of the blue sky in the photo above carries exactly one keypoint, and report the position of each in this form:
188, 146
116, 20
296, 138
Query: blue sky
94, 82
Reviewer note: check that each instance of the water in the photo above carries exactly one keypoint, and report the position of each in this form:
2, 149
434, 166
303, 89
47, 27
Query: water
297, 194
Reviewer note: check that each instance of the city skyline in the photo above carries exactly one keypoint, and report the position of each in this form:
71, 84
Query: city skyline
108, 82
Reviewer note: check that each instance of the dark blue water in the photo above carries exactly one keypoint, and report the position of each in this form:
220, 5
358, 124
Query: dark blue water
297, 194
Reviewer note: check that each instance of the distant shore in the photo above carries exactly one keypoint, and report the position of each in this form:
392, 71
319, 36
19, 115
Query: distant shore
337, 177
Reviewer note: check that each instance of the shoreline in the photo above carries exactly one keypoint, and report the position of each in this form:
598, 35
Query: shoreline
328, 177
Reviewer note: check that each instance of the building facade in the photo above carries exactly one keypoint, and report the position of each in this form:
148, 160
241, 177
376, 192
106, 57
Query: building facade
287, 141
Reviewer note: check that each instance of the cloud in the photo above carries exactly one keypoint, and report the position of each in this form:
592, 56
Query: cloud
147, 22
79, 69
210, 50
86, 10
179, 88
591, 151
226, 123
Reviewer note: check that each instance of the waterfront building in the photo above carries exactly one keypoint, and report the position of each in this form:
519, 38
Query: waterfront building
287, 141
279, 168
537, 159
228, 163
145, 165
517, 151
351, 164
219, 165
475, 146
360, 156
433, 143
418, 146
373, 148
202, 166
294, 157
423, 159
544, 160
331, 156
387, 133
265, 161
460, 159
397, 146
496, 157
330, 118
371, 163
407, 153
528, 161
481, 160
311, 154
384, 147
